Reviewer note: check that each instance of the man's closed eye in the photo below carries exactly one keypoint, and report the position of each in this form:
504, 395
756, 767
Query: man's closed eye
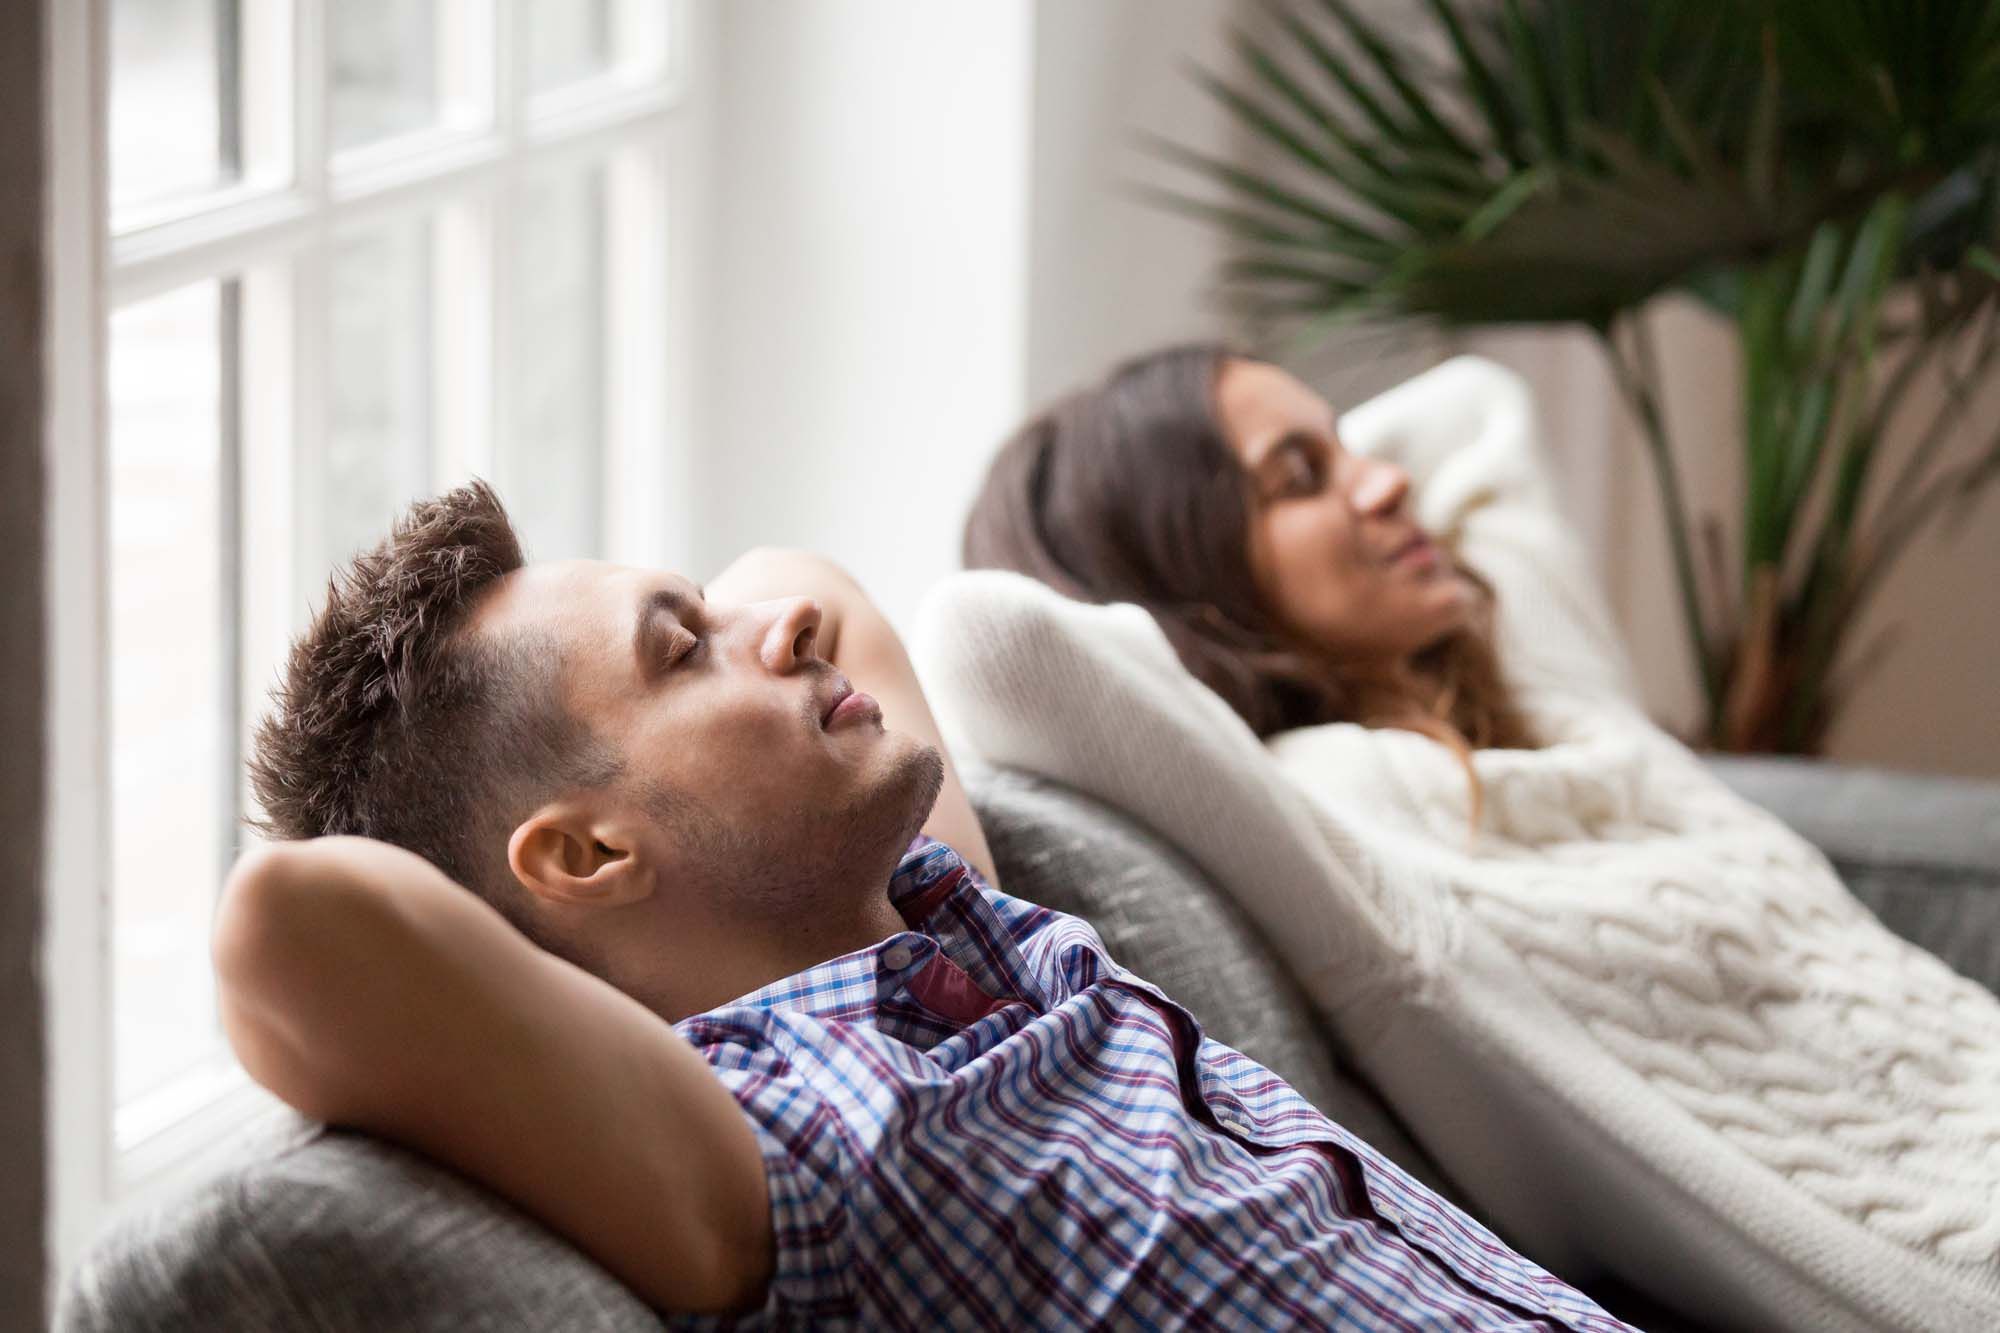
680, 646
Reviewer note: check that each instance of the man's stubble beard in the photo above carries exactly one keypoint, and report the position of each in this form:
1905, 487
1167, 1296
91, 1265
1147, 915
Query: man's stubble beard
823, 859
804, 886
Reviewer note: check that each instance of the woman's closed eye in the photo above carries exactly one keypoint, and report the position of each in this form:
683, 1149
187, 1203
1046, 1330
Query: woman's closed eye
1299, 465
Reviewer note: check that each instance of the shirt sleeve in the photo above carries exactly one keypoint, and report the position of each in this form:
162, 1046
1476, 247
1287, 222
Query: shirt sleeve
1468, 435
805, 1174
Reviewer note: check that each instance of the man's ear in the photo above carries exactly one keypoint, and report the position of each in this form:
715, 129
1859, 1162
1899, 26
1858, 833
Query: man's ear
570, 857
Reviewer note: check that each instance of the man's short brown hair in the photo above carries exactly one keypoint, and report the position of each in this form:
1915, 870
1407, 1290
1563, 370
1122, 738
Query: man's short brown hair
394, 721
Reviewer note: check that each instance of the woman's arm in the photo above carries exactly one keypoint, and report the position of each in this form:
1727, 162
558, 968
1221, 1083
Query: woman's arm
855, 637
365, 988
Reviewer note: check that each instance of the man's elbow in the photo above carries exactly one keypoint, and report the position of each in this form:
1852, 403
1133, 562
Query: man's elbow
269, 946
250, 918
731, 1274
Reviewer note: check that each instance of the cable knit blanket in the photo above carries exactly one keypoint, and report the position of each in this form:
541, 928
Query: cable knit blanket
1641, 1022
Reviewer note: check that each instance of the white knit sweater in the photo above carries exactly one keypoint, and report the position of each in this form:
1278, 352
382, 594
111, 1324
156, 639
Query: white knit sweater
1639, 1020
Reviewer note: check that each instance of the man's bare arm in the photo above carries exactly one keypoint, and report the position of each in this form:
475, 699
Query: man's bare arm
859, 640
362, 986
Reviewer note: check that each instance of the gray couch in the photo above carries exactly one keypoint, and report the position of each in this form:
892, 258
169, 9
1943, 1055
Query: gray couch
318, 1229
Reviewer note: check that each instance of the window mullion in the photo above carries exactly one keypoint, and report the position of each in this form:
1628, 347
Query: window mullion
648, 29
308, 439
468, 94
76, 888
508, 91
268, 375
310, 54
230, 548
499, 326
509, 71
635, 306
683, 157
462, 341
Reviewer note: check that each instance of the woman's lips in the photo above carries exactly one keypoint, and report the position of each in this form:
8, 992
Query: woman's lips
1420, 551
857, 704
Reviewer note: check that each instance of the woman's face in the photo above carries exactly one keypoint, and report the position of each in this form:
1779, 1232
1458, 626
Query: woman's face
1335, 554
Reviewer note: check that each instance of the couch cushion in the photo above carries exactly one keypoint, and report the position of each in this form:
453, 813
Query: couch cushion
312, 1229
1159, 917
1922, 852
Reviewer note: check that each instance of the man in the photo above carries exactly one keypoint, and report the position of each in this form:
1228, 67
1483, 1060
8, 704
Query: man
714, 1011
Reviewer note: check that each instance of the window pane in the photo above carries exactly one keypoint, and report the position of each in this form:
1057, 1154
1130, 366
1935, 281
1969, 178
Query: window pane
572, 40
377, 454
550, 463
567, 40
173, 99
172, 720
384, 78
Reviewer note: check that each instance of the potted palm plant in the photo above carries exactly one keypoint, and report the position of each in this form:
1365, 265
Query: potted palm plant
1824, 173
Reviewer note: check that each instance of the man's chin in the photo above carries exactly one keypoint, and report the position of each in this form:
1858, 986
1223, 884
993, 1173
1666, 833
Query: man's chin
893, 802
915, 778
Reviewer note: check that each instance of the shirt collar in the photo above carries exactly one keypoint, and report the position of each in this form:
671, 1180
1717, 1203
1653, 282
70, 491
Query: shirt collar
929, 875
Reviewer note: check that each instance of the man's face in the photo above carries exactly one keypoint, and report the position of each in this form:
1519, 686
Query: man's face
763, 790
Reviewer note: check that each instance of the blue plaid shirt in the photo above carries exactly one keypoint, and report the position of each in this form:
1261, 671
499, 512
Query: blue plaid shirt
984, 1122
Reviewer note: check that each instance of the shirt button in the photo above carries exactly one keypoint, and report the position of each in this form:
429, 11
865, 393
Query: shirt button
896, 957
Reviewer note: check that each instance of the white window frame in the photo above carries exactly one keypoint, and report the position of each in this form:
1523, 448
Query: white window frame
90, 273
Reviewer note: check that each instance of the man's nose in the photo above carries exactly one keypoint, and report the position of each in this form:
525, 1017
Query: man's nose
789, 633
1381, 487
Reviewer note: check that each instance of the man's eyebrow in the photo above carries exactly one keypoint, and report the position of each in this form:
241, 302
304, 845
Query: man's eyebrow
645, 631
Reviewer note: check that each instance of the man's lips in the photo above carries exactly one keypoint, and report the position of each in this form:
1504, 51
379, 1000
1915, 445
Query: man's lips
838, 695
856, 704
844, 702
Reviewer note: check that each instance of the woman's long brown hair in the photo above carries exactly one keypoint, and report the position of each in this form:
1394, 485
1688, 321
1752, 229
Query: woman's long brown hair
1128, 491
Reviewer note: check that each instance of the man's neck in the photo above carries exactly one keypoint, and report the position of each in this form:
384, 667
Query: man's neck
807, 943
707, 969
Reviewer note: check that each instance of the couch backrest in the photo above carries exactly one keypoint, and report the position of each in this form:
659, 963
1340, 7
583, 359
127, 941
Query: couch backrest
311, 1229
1921, 852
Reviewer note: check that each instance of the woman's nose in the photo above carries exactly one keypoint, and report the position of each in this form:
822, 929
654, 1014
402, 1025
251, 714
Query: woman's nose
1381, 488
790, 633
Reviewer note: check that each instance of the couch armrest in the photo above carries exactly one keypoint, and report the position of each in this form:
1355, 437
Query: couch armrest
1922, 852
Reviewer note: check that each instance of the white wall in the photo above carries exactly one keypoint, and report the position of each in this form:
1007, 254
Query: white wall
1109, 273
917, 228
867, 288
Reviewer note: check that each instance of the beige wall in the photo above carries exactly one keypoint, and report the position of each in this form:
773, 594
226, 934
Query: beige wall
1933, 702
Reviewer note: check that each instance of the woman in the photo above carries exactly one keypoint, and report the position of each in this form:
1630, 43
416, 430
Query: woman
1213, 490
1657, 961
